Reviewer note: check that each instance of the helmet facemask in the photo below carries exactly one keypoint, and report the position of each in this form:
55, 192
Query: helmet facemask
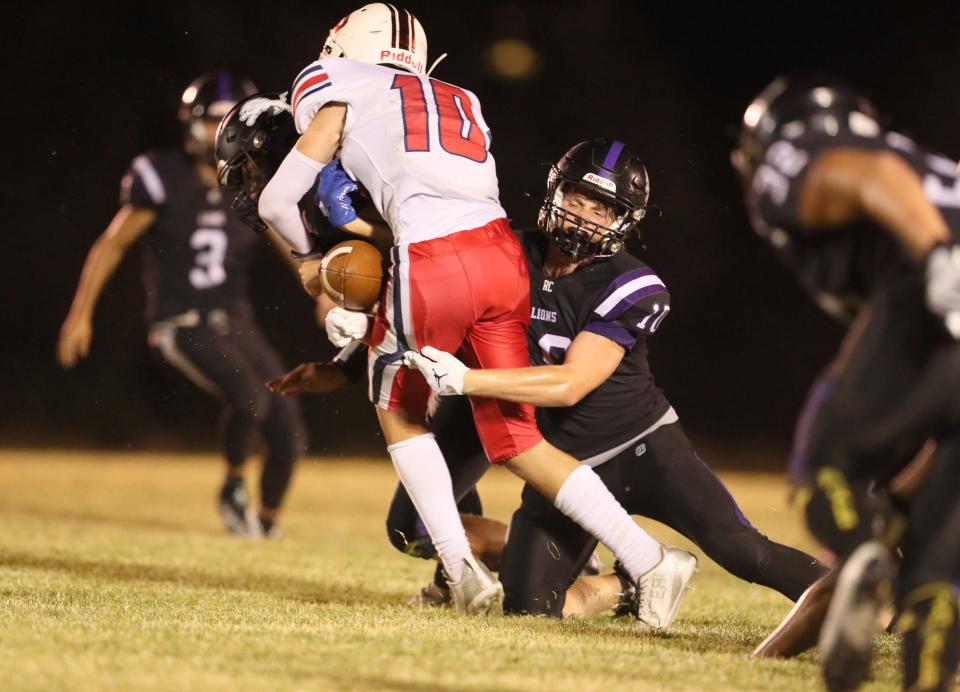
245, 178
578, 237
251, 142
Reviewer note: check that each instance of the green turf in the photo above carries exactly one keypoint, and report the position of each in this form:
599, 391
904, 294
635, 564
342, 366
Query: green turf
115, 574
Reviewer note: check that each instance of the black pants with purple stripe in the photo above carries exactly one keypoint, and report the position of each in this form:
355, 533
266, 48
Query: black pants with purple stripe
660, 477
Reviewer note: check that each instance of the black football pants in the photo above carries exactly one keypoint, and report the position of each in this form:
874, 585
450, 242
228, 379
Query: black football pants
546, 551
227, 356
663, 478
900, 386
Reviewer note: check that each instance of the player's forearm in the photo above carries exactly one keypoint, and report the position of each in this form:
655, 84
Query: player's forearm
278, 204
377, 232
101, 262
894, 197
547, 386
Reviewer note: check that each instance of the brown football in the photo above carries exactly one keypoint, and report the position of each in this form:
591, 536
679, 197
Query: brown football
351, 273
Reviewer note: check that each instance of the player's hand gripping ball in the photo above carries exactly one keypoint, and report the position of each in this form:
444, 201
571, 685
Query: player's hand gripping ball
351, 273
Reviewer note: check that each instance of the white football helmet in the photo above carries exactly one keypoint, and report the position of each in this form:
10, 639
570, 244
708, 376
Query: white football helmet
379, 33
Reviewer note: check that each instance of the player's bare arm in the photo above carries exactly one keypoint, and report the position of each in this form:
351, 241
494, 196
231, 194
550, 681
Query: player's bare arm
127, 226
369, 225
590, 360
309, 378
842, 185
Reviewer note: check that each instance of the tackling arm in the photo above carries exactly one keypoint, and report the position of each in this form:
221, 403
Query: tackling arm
127, 226
589, 361
844, 184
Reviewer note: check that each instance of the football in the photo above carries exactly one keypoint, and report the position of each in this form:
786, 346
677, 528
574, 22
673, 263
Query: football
351, 273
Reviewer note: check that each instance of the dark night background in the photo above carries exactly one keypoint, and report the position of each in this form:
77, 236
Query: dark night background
91, 86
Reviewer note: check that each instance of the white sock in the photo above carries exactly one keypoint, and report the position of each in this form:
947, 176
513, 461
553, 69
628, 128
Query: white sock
584, 498
425, 476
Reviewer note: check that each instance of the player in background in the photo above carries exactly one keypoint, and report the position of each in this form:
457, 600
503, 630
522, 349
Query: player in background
593, 307
420, 148
196, 260
866, 218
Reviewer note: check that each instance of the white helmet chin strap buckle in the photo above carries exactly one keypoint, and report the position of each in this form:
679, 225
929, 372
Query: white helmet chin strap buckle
435, 63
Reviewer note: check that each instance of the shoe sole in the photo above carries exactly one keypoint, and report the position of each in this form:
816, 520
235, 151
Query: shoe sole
852, 621
811, 611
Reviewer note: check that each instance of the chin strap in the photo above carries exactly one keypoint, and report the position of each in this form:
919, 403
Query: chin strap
435, 63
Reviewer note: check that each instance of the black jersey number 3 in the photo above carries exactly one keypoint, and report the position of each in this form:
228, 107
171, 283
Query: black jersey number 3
211, 247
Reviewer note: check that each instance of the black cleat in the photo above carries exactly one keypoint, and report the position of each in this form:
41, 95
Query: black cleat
864, 589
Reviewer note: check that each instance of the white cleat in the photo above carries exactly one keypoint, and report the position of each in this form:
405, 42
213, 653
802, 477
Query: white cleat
660, 589
478, 591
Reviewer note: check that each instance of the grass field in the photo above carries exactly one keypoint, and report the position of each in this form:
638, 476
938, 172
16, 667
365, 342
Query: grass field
115, 574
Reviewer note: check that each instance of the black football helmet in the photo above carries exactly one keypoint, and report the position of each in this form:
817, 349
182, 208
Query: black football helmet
605, 169
208, 98
251, 143
790, 108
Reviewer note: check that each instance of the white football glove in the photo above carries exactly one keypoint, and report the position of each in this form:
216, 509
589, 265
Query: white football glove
442, 371
343, 326
943, 285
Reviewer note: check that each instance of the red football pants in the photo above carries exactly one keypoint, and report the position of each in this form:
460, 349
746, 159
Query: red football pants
466, 293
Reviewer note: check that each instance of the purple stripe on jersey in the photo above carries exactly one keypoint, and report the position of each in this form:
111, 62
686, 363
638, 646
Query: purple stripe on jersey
632, 299
623, 280
300, 77
613, 154
613, 331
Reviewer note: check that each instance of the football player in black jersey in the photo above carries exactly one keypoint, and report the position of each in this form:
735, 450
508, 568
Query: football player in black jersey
593, 306
196, 258
867, 219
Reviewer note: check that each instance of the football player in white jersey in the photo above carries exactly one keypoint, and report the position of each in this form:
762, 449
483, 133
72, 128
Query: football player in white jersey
458, 281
